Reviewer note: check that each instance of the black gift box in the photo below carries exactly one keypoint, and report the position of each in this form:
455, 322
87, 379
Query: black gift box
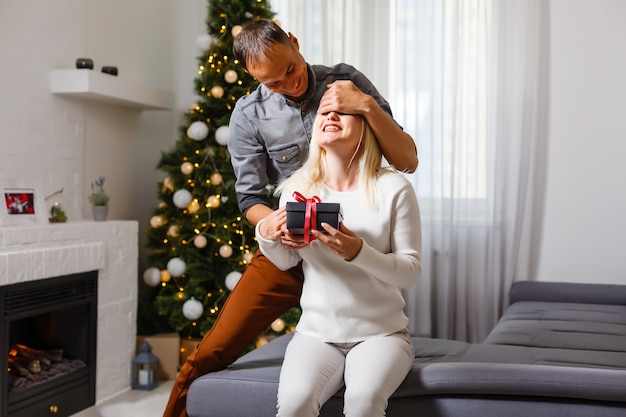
326, 213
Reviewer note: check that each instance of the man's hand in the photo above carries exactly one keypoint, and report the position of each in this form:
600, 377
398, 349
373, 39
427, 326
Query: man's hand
343, 96
343, 242
272, 225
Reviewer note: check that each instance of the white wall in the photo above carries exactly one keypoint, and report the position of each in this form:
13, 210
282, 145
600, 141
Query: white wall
584, 226
68, 143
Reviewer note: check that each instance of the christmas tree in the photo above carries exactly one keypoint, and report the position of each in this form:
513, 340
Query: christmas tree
200, 243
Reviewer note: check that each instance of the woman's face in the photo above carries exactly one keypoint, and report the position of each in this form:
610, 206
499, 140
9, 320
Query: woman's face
339, 131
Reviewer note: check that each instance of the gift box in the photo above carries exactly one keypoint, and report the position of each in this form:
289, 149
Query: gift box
325, 212
165, 346
187, 346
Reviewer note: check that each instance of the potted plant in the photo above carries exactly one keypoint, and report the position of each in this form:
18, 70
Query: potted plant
99, 200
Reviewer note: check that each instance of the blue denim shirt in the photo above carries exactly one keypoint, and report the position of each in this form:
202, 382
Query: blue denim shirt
269, 134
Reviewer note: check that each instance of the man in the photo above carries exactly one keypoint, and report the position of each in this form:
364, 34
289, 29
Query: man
270, 130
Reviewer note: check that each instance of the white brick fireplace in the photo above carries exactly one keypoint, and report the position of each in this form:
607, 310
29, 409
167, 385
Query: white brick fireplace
44, 251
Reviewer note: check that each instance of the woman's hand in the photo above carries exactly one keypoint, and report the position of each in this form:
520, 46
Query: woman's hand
343, 242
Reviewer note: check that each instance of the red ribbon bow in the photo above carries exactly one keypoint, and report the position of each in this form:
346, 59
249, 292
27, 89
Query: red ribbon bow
310, 213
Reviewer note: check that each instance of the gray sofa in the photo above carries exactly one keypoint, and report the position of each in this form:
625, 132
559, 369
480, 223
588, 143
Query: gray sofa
558, 350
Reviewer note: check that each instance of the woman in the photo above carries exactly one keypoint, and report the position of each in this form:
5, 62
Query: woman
353, 330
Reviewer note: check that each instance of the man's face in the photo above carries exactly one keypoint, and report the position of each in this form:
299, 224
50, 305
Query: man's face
284, 71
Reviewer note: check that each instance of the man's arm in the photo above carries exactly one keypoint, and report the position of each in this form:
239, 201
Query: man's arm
257, 212
398, 146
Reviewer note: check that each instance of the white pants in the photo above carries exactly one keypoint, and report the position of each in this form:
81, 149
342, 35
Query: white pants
372, 370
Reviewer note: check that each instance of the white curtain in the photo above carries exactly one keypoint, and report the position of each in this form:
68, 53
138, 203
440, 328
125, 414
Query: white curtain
466, 78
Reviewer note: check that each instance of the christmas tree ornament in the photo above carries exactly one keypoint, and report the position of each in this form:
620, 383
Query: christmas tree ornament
217, 91
192, 309
213, 201
216, 178
174, 230
235, 30
232, 279
231, 76
157, 221
200, 241
176, 267
224, 198
165, 275
221, 135
180, 296
186, 168
152, 276
168, 184
278, 325
203, 42
181, 198
198, 131
248, 257
226, 251
193, 207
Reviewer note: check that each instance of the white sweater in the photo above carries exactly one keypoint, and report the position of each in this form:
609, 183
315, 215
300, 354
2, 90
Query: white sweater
345, 302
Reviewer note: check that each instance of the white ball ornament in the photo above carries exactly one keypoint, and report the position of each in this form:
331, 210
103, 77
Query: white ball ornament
232, 279
181, 198
231, 76
152, 276
176, 267
221, 135
192, 309
186, 168
199, 241
226, 251
203, 42
217, 91
198, 131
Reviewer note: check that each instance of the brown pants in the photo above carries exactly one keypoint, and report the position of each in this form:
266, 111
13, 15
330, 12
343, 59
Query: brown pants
263, 294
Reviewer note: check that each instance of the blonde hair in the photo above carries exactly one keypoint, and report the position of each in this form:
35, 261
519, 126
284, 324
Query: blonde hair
309, 179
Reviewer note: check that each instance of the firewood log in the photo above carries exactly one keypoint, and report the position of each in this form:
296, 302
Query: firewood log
32, 365
16, 368
55, 355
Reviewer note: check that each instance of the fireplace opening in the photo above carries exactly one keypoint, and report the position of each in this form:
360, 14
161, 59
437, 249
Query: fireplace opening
48, 340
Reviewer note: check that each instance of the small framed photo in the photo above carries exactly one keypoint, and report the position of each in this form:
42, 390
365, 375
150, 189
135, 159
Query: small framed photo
22, 203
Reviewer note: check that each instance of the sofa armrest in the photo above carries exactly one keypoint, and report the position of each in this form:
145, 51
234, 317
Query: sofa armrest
567, 292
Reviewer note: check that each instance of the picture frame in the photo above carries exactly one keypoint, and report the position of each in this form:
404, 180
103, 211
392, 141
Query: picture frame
22, 203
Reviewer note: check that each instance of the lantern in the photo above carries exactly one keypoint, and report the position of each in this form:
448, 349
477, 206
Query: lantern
145, 369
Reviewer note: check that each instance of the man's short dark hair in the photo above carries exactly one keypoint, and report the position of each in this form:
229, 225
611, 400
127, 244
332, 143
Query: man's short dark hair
255, 41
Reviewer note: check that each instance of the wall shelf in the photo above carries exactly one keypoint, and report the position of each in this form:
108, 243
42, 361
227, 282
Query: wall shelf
94, 85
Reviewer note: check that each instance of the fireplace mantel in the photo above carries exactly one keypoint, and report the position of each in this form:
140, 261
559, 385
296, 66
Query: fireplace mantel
111, 247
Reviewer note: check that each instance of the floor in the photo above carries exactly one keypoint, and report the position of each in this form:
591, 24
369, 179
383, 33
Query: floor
128, 396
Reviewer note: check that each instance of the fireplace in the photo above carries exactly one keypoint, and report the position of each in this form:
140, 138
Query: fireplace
50, 323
